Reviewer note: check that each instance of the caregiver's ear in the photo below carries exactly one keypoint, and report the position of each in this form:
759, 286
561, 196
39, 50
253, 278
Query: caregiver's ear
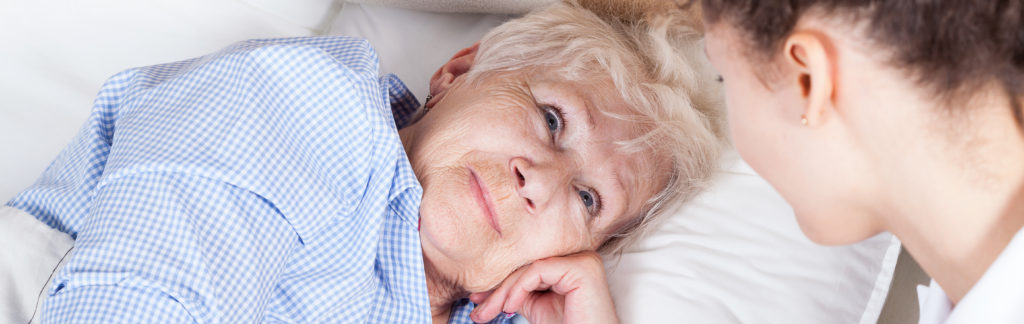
456, 67
808, 54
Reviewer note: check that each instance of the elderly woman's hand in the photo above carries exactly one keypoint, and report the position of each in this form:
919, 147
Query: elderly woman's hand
569, 289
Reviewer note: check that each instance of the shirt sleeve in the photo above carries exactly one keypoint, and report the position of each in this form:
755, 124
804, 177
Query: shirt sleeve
166, 247
206, 176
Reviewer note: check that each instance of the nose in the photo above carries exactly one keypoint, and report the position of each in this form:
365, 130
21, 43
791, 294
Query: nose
536, 183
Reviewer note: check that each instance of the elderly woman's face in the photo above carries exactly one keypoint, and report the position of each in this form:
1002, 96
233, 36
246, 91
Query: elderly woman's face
520, 167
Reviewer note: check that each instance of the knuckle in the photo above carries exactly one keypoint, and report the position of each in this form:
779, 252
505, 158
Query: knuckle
542, 263
591, 257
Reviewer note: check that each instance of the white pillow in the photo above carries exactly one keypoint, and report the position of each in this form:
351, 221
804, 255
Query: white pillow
735, 254
412, 44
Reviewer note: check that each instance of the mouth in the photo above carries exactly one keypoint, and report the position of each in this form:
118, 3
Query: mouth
483, 199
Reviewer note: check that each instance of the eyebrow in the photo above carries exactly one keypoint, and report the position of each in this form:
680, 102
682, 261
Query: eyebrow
590, 115
587, 108
618, 185
613, 226
621, 186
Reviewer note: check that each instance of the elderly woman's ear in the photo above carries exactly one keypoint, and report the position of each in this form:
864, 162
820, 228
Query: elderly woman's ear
451, 71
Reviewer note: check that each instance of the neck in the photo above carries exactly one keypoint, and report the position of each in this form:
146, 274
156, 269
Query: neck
443, 292
956, 248
956, 213
407, 135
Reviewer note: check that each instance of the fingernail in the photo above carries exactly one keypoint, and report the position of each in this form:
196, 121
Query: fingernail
508, 315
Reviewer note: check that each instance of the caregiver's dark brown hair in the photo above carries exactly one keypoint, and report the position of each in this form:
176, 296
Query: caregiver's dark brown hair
951, 47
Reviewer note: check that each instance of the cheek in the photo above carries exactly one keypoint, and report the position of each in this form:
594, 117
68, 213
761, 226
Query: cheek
500, 130
750, 126
449, 206
760, 138
527, 238
548, 236
812, 184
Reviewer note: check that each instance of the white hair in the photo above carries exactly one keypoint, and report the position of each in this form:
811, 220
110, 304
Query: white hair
658, 67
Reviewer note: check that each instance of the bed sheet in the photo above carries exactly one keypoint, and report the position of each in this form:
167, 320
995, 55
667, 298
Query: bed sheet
31, 252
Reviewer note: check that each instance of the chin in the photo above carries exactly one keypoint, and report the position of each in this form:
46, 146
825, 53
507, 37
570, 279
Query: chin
459, 249
835, 229
448, 227
440, 224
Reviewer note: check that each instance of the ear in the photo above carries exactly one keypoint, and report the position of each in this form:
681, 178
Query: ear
809, 55
451, 71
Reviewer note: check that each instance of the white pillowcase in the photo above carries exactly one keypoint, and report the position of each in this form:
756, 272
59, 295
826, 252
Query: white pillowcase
412, 44
734, 254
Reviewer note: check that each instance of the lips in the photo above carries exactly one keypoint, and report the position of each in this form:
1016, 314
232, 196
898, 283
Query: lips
483, 199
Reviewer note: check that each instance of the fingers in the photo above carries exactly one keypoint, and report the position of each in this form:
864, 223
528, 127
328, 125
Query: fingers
492, 304
478, 298
580, 274
553, 275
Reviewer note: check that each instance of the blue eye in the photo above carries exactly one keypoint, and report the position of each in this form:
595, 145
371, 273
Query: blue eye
592, 201
587, 198
553, 119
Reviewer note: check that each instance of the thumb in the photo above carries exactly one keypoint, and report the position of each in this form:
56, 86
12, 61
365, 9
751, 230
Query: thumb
479, 297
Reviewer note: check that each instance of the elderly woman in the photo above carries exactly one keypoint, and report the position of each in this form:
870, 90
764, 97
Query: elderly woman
891, 115
284, 180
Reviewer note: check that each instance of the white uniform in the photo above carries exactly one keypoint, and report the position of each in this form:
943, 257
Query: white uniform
998, 297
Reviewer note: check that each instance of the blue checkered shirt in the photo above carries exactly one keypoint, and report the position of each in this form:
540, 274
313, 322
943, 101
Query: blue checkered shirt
262, 183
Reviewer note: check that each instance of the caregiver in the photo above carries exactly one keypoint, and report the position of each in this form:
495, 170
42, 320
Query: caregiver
900, 116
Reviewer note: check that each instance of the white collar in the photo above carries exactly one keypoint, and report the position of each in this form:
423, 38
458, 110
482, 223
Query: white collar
934, 305
996, 297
